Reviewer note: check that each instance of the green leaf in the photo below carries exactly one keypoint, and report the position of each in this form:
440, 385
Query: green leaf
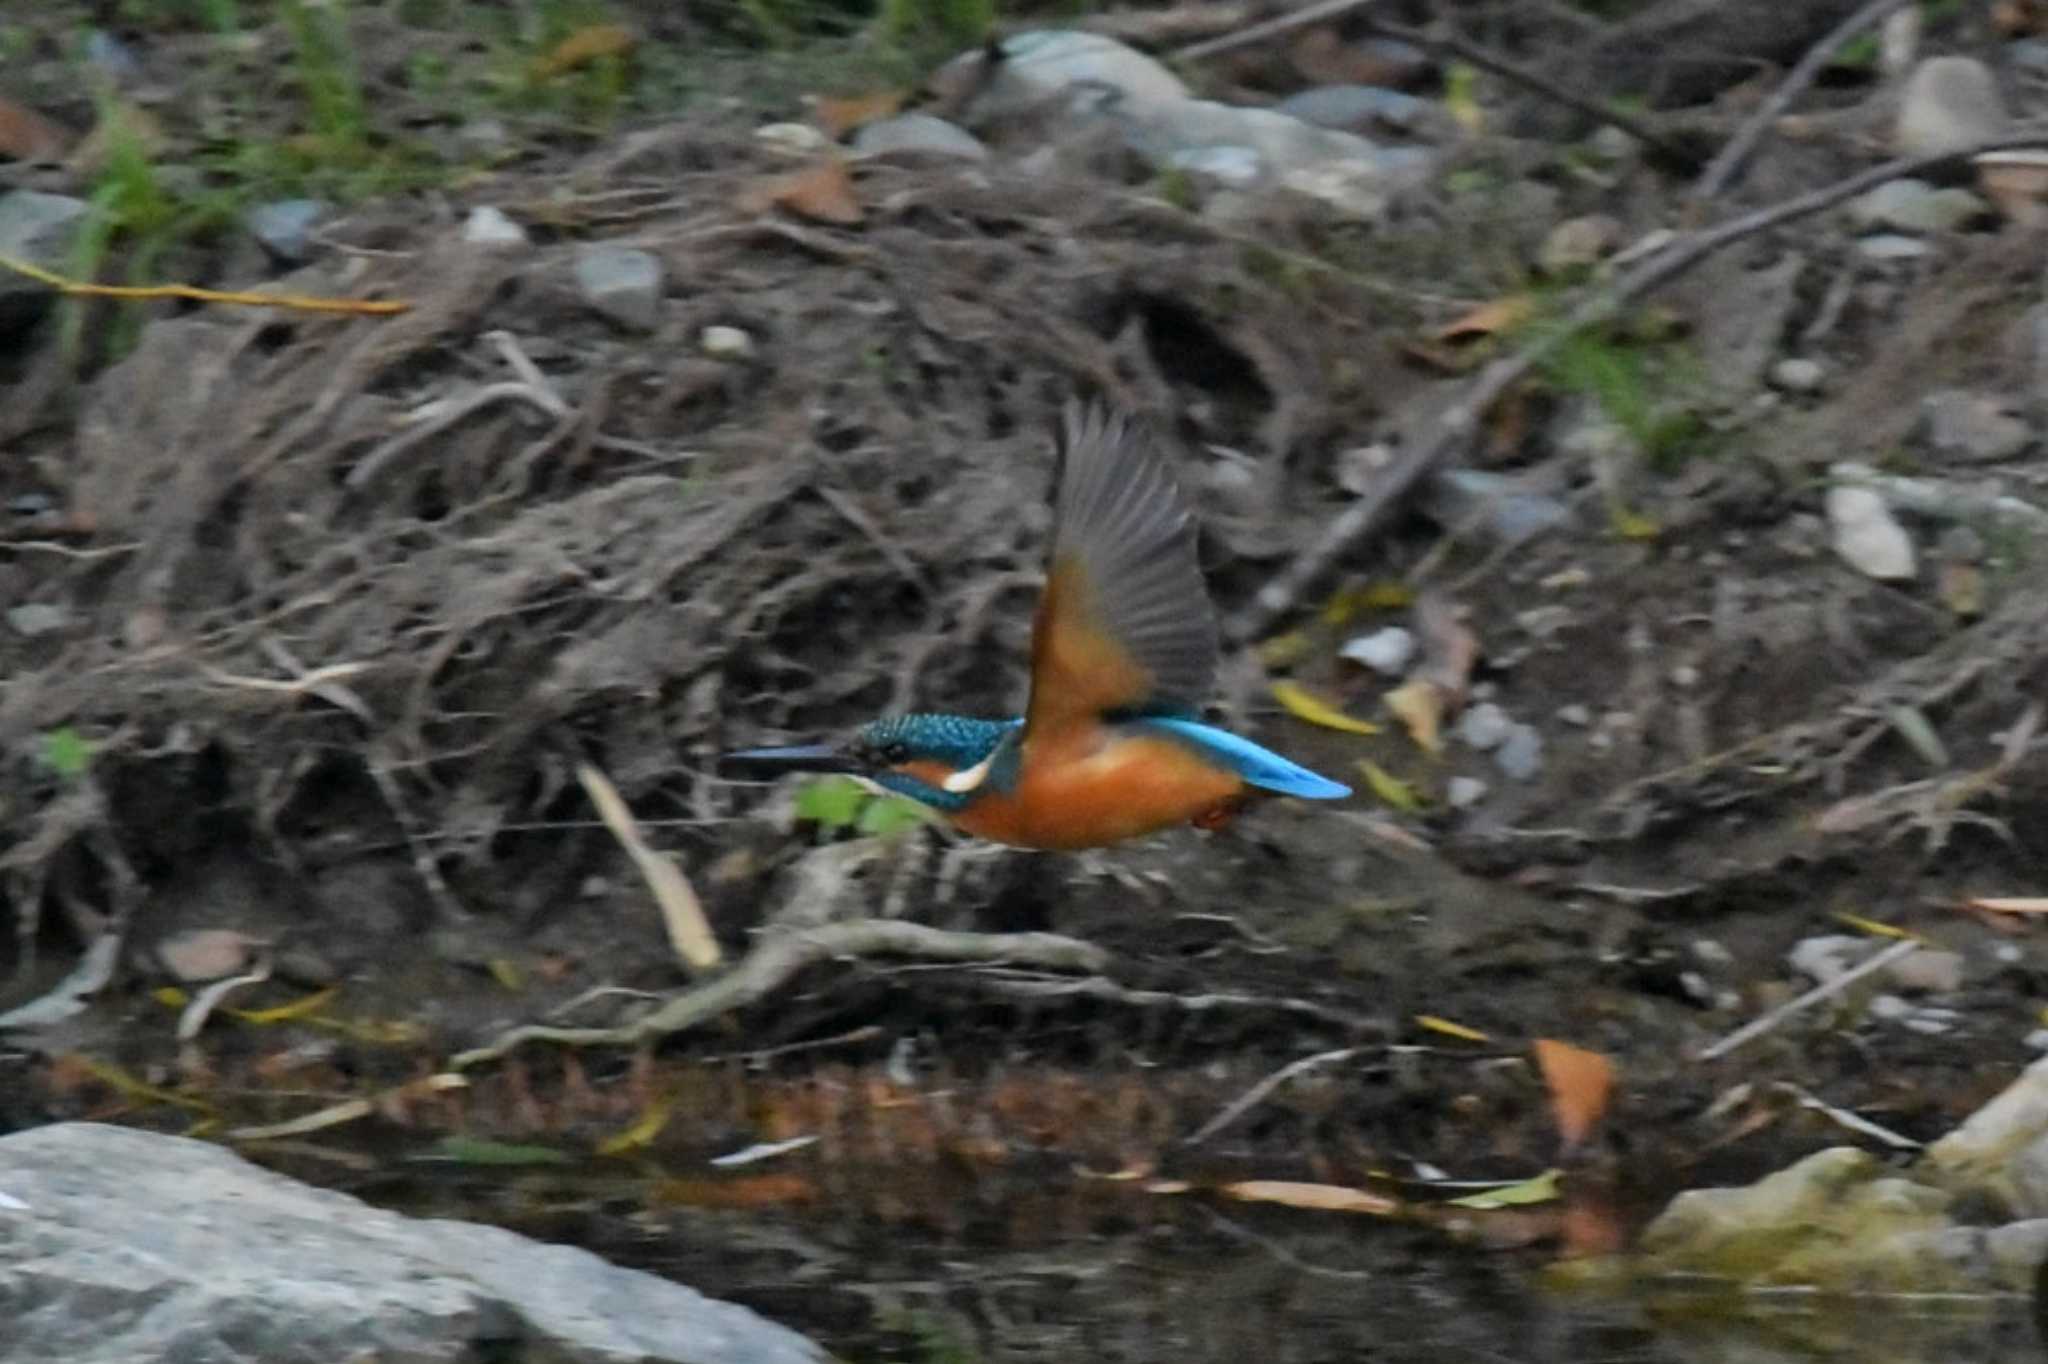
889, 815
834, 802
67, 753
1542, 1189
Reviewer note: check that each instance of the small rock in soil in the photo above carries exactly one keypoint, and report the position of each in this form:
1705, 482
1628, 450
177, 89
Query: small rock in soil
621, 283
1520, 756
1867, 536
1949, 103
37, 618
908, 136
1826, 956
726, 343
1387, 651
206, 953
1916, 206
1483, 727
1041, 63
1465, 792
285, 227
1795, 374
37, 228
1889, 247
1579, 244
1356, 108
112, 56
1930, 971
1973, 428
488, 226
797, 139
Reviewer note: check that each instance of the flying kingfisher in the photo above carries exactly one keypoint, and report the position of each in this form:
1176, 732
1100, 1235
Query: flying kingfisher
1123, 651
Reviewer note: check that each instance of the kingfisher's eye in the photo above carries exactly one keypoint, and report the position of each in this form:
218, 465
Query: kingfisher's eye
898, 752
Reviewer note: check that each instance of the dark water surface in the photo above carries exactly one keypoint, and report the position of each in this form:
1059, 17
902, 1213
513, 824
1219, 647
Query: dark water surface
929, 1266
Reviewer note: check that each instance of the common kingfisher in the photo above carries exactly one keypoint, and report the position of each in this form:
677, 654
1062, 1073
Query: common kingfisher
1123, 650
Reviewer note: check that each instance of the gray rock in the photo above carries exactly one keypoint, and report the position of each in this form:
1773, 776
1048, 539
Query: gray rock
1888, 248
1465, 792
1867, 536
1973, 428
37, 618
1931, 970
917, 135
1796, 374
1386, 651
1576, 715
795, 139
1916, 206
1579, 243
1949, 103
622, 283
1978, 1155
488, 226
1826, 956
1235, 167
726, 343
285, 227
1041, 64
1357, 108
2028, 55
38, 228
119, 1245
1513, 510
1520, 755
111, 56
1485, 726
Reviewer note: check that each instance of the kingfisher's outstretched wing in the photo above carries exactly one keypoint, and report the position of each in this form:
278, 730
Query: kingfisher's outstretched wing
1125, 623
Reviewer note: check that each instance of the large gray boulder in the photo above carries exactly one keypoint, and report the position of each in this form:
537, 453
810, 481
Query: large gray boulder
117, 1245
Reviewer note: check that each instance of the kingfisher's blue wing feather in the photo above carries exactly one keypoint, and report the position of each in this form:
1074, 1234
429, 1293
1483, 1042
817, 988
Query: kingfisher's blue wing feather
1125, 622
1259, 767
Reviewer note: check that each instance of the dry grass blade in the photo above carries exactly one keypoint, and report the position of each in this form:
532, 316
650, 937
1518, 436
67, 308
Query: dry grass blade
304, 303
681, 912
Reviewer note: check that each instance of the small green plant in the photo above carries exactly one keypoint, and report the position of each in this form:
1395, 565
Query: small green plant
66, 752
1638, 386
932, 29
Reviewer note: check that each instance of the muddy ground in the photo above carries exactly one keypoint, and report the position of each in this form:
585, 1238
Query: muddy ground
325, 683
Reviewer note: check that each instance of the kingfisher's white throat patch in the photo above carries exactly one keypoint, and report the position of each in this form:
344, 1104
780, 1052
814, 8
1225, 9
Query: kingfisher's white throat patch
968, 778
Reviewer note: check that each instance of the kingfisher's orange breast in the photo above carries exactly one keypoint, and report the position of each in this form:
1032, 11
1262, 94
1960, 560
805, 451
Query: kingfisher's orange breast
1098, 787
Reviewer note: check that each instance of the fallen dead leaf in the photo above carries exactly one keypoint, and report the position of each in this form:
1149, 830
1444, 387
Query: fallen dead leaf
1488, 319
682, 914
1303, 704
2010, 904
1450, 650
26, 135
837, 117
584, 46
1317, 1197
823, 193
1580, 1084
1419, 706
1389, 788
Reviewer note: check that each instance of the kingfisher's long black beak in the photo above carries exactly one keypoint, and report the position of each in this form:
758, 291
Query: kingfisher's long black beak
798, 758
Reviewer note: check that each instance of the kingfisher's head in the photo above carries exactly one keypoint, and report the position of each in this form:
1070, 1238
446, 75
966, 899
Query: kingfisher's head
942, 760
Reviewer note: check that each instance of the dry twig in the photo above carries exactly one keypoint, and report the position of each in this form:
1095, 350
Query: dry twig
1730, 158
1462, 419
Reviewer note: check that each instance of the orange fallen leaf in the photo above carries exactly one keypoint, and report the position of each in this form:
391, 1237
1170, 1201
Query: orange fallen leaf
823, 193
778, 1189
1319, 1197
26, 135
584, 46
1580, 1083
837, 117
